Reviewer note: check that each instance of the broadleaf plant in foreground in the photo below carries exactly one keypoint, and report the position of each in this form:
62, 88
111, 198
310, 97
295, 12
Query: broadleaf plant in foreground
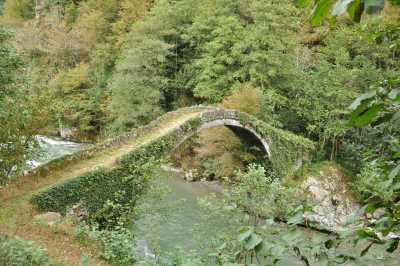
323, 9
381, 189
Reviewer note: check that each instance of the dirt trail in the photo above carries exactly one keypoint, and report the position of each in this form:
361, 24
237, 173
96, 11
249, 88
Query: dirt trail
16, 213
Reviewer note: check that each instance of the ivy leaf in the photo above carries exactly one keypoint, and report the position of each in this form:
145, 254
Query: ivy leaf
340, 7
253, 242
320, 11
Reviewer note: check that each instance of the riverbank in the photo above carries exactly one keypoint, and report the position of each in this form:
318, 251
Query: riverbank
17, 214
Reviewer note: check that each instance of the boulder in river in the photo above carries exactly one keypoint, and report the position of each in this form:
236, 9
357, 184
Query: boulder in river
334, 204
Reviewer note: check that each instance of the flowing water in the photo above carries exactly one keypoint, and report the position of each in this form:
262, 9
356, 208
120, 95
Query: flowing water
50, 149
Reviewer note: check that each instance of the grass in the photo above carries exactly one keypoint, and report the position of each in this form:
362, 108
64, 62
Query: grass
16, 213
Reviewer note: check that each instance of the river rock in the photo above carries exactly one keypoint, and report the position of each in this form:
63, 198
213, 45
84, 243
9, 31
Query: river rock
172, 169
68, 133
49, 218
189, 176
334, 204
78, 212
378, 213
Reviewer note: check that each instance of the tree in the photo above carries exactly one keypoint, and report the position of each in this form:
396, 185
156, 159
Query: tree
19, 114
218, 67
1, 7
138, 80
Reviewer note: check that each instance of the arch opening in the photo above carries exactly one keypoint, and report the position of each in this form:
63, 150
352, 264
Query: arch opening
247, 134
218, 148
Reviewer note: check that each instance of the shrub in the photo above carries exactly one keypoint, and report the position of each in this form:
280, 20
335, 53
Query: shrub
374, 184
19, 9
117, 246
19, 252
263, 195
246, 99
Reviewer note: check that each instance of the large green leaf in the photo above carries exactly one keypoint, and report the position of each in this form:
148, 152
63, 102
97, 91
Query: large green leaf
374, 6
253, 242
366, 117
394, 172
340, 7
321, 10
245, 235
355, 10
361, 99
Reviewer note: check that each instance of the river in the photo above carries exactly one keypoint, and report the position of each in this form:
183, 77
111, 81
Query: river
175, 218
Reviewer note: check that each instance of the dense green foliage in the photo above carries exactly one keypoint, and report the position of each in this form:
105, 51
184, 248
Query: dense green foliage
19, 111
185, 52
247, 43
104, 67
379, 178
19, 252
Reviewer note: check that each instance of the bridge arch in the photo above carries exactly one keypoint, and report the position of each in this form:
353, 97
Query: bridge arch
285, 150
233, 125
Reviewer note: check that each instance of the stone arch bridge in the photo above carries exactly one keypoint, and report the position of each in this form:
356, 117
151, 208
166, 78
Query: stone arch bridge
285, 149
78, 178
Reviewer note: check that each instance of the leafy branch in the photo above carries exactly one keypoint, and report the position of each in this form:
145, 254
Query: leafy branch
323, 9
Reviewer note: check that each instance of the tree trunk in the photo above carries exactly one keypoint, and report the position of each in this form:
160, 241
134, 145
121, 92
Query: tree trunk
39, 11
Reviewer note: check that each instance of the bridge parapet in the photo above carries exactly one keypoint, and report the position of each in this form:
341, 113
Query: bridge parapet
219, 114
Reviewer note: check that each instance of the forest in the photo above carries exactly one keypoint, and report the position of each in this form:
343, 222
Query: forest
88, 71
